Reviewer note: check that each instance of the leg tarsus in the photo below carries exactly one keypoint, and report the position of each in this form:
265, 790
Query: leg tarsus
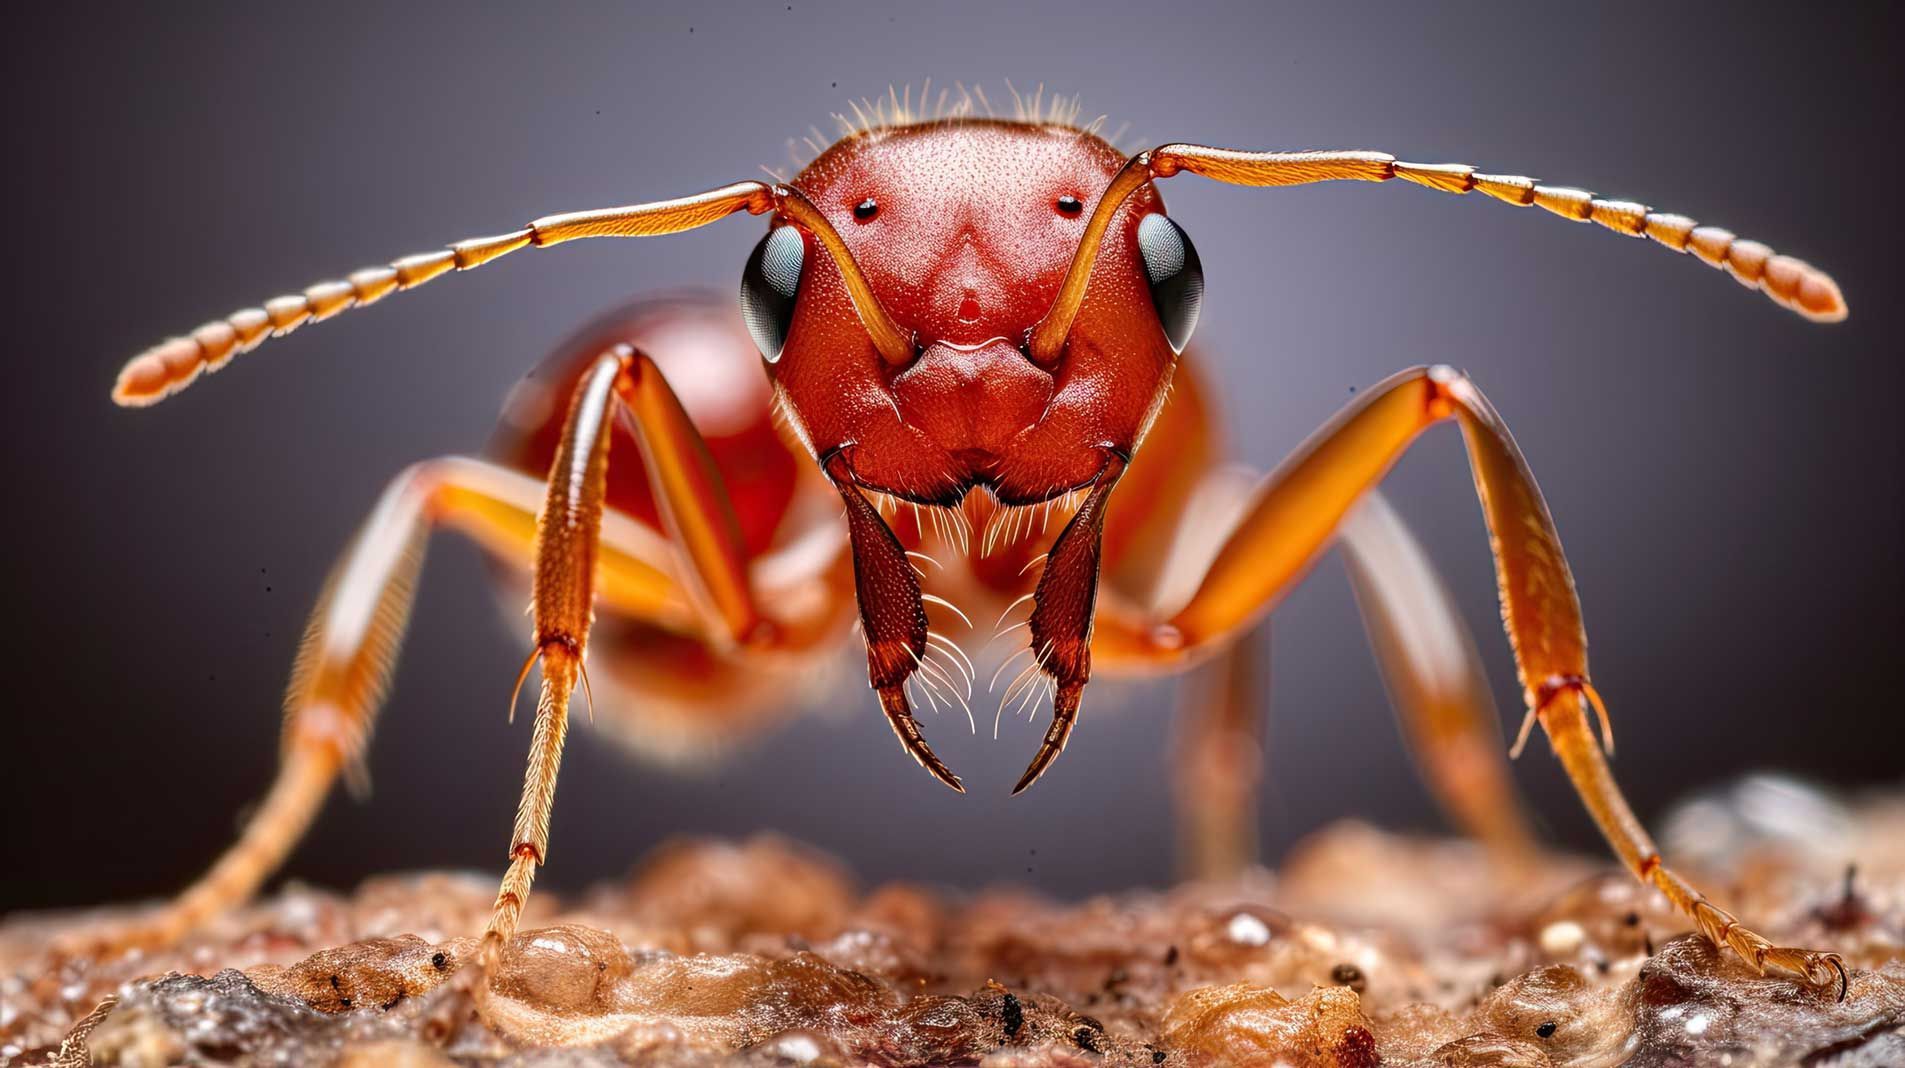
303, 781
529, 841
1564, 718
1723, 930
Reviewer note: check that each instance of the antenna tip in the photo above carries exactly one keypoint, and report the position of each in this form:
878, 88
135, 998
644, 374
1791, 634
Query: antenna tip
157, 373
1796, 284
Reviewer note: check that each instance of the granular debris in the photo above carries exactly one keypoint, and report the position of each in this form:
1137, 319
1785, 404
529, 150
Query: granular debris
1365, 949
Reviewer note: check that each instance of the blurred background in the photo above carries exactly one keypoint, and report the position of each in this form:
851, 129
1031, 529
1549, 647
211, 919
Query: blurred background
1726, 477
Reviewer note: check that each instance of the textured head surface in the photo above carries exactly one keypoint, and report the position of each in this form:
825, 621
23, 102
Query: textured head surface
964, 229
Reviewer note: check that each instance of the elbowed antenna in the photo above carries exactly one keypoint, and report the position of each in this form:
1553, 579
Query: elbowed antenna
173, 364
1790, 282
896, 346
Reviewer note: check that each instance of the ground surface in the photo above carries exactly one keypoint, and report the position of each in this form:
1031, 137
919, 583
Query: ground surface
1364, 949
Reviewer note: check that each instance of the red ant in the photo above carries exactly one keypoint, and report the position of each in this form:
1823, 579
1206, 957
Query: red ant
941, 307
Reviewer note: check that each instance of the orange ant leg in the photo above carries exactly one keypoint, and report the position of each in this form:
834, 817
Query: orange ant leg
1564, 716
1216, 758
696, 509
693, 501
1217, 762
1424, 649
351, 642
567, 532
1154, 556
1435, 679
1300, 507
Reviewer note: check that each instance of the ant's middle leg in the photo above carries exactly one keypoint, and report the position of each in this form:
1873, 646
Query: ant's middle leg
1435, 679
350, 645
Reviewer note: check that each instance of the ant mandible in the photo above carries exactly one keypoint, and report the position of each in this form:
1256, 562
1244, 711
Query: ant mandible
944, 305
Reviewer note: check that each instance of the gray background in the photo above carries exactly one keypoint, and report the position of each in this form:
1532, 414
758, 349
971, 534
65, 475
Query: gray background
1726, 477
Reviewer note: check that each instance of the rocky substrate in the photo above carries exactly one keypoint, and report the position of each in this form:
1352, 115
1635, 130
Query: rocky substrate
1364, 949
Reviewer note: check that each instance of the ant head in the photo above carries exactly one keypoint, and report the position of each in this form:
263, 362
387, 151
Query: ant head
964, 232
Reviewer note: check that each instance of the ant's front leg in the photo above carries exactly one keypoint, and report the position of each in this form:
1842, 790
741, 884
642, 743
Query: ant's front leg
700, 522
1297, 511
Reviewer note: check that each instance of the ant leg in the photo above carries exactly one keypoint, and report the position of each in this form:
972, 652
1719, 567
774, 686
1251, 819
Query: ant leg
1216, 758
1217, 762
1291, 520
1428, 662
1563, 712
1155, 556
1434, 676
700, 519
351, 642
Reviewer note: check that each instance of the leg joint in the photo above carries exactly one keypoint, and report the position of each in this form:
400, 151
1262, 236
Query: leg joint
559, 642
1167, 638
1554, 686
1443, 382
636, 364
322, 728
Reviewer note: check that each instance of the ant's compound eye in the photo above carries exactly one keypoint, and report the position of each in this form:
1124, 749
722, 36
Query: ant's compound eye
769, 283
1176, 274
1070, 206
866, 210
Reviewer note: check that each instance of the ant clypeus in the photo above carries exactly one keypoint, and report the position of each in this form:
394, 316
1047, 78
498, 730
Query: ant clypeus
942, 305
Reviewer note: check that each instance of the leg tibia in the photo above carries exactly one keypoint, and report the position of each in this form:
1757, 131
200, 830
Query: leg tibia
1434, 677
1217, 763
